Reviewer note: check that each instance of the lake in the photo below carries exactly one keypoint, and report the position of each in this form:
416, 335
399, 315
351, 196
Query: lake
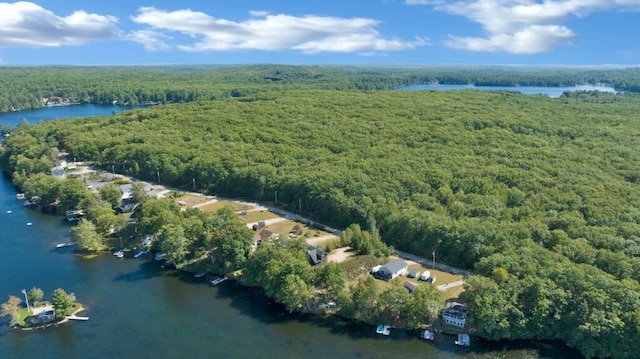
139, 310
552, 92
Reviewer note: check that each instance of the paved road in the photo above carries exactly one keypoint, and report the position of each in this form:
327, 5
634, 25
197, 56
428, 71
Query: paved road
450, 285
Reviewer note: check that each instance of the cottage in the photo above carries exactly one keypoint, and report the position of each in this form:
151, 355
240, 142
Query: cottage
127, 202
392, 269
262, 235
455, 314
316, 256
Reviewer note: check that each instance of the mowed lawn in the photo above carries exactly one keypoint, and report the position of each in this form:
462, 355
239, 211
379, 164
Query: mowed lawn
284, 228
192, 199
256, 216
214, 206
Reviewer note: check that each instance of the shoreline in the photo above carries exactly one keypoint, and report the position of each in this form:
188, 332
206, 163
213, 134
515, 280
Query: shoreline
52, 324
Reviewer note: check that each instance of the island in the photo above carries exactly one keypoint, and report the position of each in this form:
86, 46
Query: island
36, 313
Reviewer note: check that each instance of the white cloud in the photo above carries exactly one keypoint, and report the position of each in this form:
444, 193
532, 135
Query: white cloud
151, 40
272, 32
523, 26
28, 24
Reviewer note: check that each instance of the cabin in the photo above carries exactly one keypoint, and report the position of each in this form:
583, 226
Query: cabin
127, 203
316, 256
262, 235
392, 269
455, 314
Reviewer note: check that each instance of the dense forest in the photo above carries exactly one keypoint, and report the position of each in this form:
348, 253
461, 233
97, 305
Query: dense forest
539, 196
26, 88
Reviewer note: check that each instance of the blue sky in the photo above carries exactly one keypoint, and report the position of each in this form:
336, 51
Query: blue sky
544, 32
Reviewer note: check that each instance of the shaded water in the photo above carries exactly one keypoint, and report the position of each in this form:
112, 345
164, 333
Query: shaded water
139, 310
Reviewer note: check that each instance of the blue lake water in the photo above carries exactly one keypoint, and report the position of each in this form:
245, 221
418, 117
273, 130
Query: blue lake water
138, 310
527, 90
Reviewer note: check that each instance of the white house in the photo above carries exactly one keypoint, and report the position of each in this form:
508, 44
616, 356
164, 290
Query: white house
392, 269
455, 314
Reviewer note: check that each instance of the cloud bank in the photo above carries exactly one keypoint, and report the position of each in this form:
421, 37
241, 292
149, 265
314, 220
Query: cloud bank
28, 24
264, 31
522, 26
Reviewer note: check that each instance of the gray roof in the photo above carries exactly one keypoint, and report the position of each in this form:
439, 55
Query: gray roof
395, 265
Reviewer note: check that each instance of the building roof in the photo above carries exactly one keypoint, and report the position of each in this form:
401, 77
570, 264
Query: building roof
394, 266
263, 234
316, 255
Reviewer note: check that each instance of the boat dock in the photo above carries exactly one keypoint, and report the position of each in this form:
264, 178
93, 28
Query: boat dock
75, 317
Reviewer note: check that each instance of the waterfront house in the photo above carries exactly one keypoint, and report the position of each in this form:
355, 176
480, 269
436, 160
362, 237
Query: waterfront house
392, 269
455, 314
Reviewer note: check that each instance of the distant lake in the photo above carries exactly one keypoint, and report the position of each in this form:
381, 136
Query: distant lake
527, 90
51, 112
139, 310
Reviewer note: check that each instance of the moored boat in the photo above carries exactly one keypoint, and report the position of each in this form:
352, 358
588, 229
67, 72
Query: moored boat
218, 280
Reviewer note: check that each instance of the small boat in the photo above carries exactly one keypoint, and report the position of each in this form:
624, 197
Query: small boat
218, 280
463, 340
383, 329
9, 212
159, 256
62, 245
426, 334
200, 274
119, 253
20, 196
29, 223
141, 253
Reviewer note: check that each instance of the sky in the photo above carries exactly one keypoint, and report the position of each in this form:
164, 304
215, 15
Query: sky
413, 32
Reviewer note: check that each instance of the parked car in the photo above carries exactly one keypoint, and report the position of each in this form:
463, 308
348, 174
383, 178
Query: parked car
425, 275
414, 273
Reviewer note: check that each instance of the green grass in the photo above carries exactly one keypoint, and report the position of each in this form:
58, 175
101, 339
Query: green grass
256, 216
212, 207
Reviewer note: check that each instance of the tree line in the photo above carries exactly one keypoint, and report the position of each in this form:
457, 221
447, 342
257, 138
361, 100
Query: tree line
29, 87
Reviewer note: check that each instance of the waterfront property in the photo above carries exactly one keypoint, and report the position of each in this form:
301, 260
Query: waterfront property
455, 314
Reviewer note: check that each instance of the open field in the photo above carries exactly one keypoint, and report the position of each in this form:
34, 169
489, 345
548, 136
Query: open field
214, 206
283, 228
256, 216
190, 199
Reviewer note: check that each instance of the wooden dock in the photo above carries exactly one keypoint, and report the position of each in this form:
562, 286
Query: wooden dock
75, 317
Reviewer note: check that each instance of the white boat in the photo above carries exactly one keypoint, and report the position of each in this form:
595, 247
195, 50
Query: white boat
463, 340
200, 274
119, 253
159, 256
20, 196
62, 245
218, 280
9, 212
426, 334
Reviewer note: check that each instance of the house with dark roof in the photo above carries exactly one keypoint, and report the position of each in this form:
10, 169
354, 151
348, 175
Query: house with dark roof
262, 235
411, 286
455, 314
316, 256
392, 269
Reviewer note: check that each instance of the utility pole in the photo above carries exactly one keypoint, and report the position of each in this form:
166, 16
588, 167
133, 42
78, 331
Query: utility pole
300, 205
276, 198
158, 172
113, 169
194, 184
433, 265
